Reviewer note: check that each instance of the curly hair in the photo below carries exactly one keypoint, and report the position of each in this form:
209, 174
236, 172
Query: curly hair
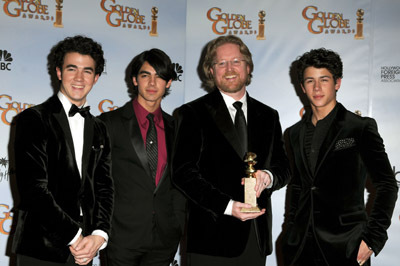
82, 45
161, 63
320, 58
209, 59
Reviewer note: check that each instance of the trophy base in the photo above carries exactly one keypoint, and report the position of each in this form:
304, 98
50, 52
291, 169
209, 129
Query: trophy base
252, 209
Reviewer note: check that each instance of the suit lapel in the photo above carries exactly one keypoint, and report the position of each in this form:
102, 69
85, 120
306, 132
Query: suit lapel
220, 114
132, 125
331, 137
87, 144
302, 134
61, 118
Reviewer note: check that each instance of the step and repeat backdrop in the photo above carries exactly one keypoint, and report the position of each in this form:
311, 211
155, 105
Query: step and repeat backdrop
364, 32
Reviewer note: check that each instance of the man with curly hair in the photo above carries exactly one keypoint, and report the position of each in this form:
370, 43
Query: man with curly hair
63, 166
332, 151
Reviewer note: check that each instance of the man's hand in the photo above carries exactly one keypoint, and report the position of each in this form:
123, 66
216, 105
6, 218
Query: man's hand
85, 248
243, 216
262, 182
363, 253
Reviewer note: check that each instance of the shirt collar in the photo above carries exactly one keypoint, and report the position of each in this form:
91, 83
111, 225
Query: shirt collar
66, 103
229, 101
141, 113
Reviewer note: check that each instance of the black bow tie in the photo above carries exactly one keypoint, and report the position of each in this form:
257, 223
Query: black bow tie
84, 111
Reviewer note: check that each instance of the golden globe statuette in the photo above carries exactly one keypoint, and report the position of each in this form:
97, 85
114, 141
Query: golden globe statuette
359, 34
250, 183
58, 22
153, 31
261, 25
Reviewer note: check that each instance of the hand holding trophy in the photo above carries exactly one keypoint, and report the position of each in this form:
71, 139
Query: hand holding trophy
250, 183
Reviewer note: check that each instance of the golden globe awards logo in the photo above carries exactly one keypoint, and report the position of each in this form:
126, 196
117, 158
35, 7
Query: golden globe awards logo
227, 23
123, 16
326, 22
10, 108
28, 9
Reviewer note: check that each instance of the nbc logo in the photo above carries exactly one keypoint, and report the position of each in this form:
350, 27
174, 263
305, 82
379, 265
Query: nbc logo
5, 60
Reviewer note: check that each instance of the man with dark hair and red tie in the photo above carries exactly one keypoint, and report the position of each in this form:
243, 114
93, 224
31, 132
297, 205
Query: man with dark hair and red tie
149, 215
62, 166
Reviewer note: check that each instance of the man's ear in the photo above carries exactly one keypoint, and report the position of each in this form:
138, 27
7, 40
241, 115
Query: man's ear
338, 84
59, 74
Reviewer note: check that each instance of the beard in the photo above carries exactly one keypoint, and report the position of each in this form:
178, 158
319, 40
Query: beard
225, 85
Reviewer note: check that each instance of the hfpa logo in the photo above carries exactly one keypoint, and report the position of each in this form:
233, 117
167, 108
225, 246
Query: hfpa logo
5, 60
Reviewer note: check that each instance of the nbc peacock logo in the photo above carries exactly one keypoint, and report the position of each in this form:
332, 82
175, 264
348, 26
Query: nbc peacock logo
5, 60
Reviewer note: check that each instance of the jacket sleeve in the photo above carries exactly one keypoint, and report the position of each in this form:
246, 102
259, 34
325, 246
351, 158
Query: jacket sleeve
380, 171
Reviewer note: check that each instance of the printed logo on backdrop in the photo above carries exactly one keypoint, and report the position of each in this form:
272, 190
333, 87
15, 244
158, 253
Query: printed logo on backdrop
119, 16
10, 108
327, 22
34, 10
390, 74
235, 23
5, 214
5, 60
5, 219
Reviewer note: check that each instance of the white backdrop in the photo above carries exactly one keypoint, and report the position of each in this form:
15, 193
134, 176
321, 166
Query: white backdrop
371, 82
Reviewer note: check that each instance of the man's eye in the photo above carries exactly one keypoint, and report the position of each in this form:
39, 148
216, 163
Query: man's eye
222, 64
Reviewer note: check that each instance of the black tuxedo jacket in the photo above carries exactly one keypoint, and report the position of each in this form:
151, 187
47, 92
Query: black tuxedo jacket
140, 206
50, 186
208, 168
331, 201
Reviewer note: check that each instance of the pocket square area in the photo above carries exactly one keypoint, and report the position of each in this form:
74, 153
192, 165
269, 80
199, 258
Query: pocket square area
345, 143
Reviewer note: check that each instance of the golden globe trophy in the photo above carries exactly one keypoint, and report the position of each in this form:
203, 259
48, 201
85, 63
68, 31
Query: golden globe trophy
359, 34
261, 25
153, 31
58, 22
250, 183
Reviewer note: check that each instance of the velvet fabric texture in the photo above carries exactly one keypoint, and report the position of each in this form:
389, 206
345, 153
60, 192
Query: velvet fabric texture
331, 202
50, 187
208, 168
141, 207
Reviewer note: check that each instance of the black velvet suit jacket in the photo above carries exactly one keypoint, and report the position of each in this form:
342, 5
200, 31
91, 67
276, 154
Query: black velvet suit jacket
140, 206
50, 187
208, 169
332, 200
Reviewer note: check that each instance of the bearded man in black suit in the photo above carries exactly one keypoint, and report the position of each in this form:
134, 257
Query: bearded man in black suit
149, 216
332, 151
208, 163
62, 161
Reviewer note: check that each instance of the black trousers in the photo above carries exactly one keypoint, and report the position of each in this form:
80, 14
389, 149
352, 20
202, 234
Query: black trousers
154, 254
250, 256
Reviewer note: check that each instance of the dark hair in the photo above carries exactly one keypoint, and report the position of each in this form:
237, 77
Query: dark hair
211, 53
320, 58
161, 63
82, 45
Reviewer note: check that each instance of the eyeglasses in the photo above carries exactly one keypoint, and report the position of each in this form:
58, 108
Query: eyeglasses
235, 63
